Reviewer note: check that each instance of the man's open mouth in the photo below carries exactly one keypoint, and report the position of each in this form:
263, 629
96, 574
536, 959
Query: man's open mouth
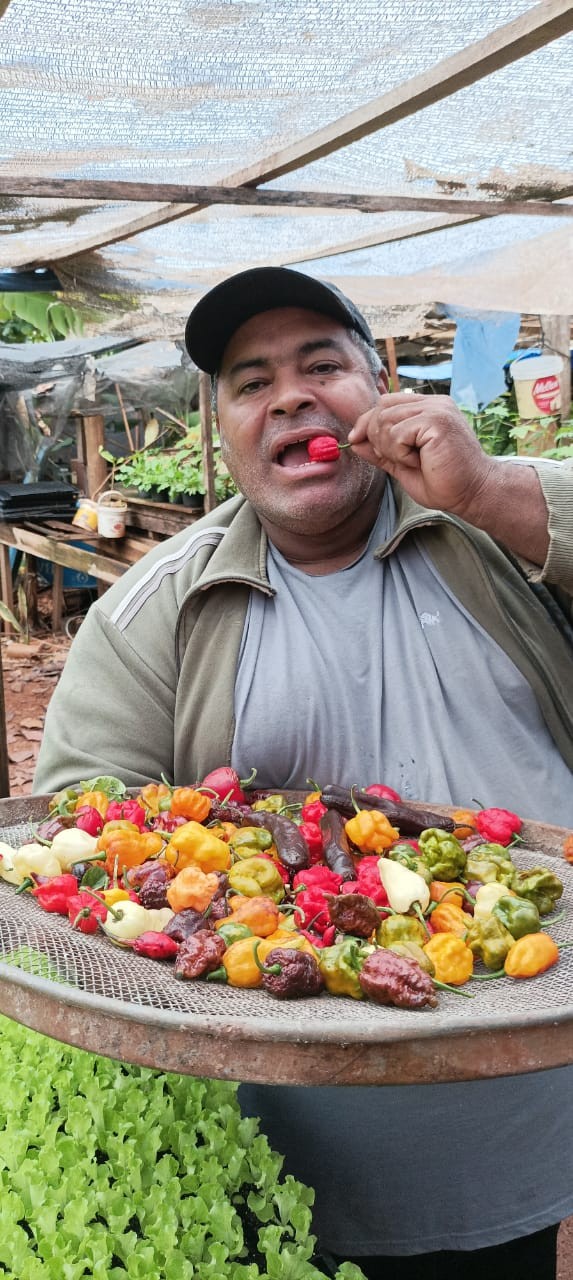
294, 454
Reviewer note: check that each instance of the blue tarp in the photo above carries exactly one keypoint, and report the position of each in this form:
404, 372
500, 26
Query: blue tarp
482, 346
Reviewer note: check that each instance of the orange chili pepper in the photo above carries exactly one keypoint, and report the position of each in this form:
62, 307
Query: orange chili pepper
130, 848
568, 848
261, 914
223, 830
111, 829
450, 890
192, 888
96, 800
465, 820
530, 955
447, 918
190, 804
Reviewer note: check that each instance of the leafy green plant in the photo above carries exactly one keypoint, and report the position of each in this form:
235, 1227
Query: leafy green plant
37, 317
501, 431
179, 470
123, 1173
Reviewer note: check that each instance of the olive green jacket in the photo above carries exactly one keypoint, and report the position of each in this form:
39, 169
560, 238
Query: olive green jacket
148, 687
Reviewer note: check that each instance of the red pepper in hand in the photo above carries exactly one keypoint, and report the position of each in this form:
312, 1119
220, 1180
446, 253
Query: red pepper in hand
324, 449
313, 836
126, 811
499, 826
227, 784
89, 819
386, 793
84, 912
55, 893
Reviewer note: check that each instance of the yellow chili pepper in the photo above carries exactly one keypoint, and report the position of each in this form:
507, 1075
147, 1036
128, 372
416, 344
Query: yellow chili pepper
192, 888
111, 896
193, 843
530, 955
447, 918
254, 876
95, 799
452, 960
371, 831
240, 964
152, 794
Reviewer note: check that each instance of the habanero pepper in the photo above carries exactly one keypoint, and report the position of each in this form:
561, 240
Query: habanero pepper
448, 918
192, 887
93, 800
153, 796
55, 893
129, 810
125, 849
531, 955
89, 819
498, 825
85, 912
317, 878
310, 831
260, 914
188, 803
371, 831
452, 959
442, 854
254, 876
193, 843
313, 809
227, 785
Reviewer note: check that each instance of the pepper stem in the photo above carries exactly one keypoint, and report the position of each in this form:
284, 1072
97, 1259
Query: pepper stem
117, 915
272, 968
420, 914
485, 977
445, 986
246, 782
27, 883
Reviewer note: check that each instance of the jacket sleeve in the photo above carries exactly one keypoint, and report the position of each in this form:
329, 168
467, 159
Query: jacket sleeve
556, 480
111, 713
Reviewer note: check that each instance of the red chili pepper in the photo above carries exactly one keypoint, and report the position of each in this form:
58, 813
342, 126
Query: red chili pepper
84, 912
126, 811
54, 894
313, 811
313, 836
157, 946
319, 877
326, 940
369, 882
312, 909
89, 819
166, 822
498, 825
324, 449
386, 793
227, 784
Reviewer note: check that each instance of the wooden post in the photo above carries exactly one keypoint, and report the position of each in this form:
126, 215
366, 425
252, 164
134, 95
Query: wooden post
4, 767
6, 588
91, 437
557, 341
392, 364
207, 440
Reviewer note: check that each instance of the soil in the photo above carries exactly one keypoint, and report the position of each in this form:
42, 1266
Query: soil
31, 672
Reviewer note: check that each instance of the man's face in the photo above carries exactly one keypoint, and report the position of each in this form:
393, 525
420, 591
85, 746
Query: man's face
289, 375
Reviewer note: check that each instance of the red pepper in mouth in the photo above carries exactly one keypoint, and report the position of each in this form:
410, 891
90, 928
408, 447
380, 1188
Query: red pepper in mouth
324, 449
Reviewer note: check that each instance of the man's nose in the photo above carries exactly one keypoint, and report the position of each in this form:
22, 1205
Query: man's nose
290, 394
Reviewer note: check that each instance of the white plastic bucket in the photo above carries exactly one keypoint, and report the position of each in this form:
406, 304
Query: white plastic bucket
537, 385
111, 515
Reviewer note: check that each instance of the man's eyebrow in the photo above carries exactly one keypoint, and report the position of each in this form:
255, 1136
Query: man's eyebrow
307, 349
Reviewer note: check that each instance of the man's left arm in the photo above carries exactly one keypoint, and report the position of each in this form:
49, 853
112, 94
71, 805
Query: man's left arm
427, 445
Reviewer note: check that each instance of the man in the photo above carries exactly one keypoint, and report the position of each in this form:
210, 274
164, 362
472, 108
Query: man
335, 625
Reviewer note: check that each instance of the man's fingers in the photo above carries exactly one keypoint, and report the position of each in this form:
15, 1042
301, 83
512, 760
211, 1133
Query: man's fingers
385, 417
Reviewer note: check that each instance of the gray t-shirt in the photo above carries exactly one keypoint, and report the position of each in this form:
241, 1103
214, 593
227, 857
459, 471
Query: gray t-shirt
378, 674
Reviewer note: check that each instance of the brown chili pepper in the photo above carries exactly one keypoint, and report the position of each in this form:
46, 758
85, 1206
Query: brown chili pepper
353, 913
391, 979
153, 892
199, 954
336, 845
296, 973
410, 822
290, 845
136, 876
185, 923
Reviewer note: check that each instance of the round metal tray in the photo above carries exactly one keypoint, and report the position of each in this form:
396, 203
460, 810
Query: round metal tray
84, 991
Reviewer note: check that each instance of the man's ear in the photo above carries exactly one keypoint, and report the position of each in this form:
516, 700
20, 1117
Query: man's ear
382, 382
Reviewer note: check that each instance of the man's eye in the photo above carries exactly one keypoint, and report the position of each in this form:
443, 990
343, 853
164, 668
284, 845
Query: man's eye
248, 388
325, 366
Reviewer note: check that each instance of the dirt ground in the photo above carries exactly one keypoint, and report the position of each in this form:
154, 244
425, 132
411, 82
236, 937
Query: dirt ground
31, 672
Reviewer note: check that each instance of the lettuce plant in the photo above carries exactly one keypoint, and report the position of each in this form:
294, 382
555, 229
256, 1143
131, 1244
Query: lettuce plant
118, 1172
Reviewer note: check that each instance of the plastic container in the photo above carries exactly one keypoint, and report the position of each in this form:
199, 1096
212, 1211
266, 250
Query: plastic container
111, 514
86, 514
537, 385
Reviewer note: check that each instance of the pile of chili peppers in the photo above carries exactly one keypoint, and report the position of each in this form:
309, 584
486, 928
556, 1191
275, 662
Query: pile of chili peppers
353, 892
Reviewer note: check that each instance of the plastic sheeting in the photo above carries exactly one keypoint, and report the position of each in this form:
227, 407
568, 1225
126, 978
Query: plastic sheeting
199, 90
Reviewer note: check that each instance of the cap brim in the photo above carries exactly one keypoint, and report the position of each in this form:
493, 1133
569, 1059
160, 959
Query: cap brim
230, 304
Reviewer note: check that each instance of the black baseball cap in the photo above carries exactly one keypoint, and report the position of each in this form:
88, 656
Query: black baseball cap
225, 308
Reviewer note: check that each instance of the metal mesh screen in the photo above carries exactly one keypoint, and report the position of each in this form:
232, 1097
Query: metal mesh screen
44, 945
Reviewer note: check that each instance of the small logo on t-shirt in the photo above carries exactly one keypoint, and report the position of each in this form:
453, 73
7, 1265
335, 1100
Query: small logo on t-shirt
430, 619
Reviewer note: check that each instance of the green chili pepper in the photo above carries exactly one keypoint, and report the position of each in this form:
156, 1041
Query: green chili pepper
271, 804
400, 928
442, 854
539, 886
490, 940
340, 966
256, 839
406, 855
518, 915
255, 876
488, 862
232, 932
412, 951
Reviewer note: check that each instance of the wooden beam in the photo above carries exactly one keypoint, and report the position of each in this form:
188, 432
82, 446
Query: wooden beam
532, 30
4, 766
105, 567
80, 189
392, 363
556, 331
